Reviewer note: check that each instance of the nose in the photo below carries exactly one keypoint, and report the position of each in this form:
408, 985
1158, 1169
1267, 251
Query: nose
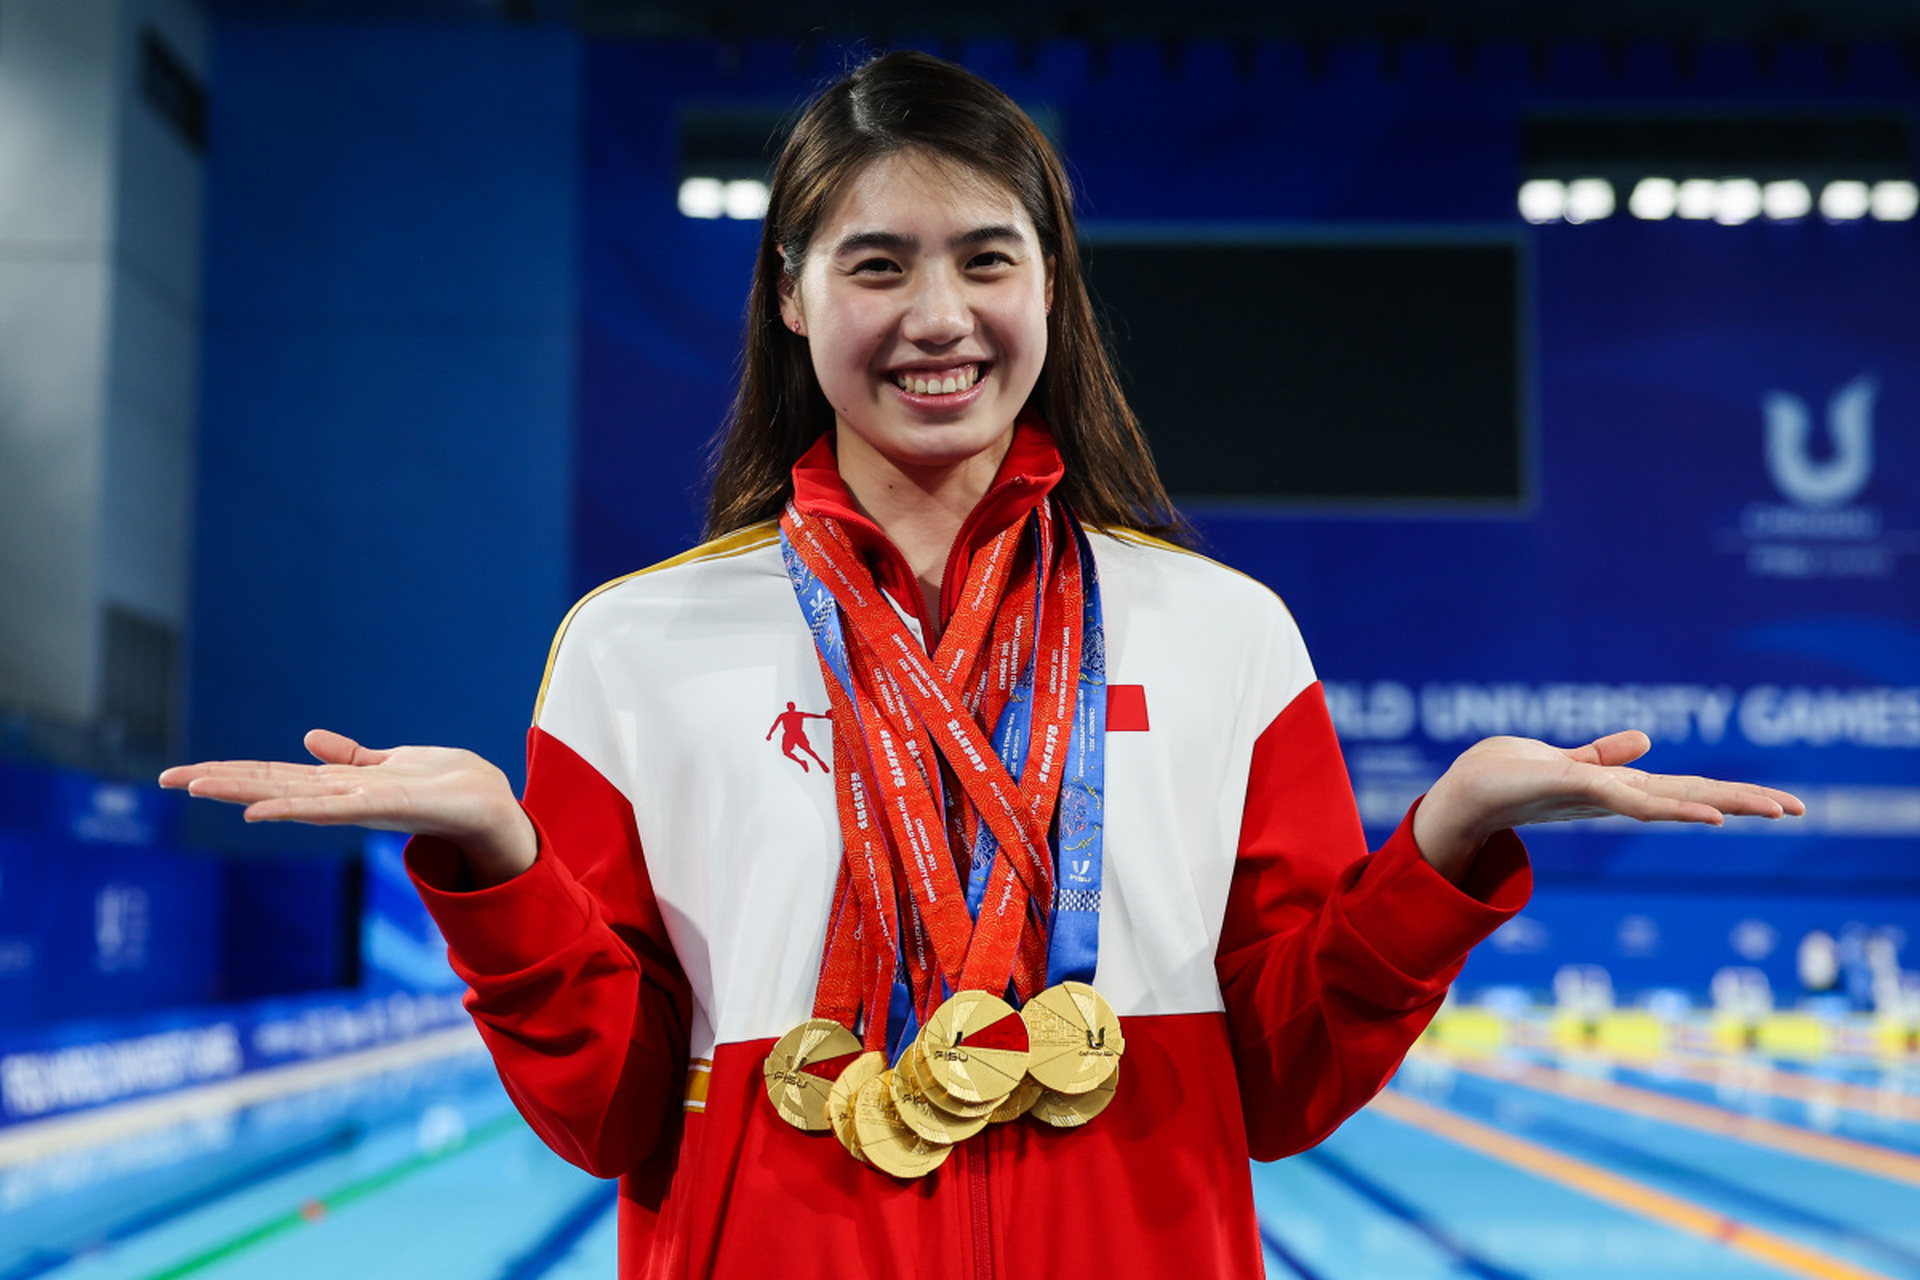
937, 313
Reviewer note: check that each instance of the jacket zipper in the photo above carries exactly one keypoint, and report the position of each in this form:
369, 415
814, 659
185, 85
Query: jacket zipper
983, 1268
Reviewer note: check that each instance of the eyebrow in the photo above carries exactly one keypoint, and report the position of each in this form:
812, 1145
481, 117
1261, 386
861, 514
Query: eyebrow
896, 241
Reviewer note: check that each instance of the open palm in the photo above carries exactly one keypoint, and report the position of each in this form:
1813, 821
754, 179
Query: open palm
436, 791
1509, 782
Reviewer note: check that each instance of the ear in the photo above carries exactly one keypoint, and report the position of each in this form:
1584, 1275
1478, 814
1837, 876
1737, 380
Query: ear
791, 313
1049, 286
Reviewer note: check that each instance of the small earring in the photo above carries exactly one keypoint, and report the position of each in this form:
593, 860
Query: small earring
796, 326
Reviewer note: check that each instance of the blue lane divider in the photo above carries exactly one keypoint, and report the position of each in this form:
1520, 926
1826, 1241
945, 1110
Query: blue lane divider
336, 1141
1482, 1103
1278, 1249
550, 1248
1854, 1122
1441, 1238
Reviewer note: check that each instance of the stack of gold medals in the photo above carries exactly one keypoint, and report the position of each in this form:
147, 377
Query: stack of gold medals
976, 1062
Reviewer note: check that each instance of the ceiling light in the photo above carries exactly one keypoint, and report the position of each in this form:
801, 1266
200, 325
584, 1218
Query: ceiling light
702, 197
1589, 199
1786, 199
1894, 201
1697, 198
1542, 200
1736, 201
746, 198
1653, 198
1844, 201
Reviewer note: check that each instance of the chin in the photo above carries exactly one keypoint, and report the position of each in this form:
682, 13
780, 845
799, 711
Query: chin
922, 445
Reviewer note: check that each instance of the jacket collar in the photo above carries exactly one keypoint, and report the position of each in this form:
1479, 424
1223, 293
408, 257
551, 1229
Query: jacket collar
1027, 474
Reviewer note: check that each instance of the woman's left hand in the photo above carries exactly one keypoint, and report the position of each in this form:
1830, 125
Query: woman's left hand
1507, 782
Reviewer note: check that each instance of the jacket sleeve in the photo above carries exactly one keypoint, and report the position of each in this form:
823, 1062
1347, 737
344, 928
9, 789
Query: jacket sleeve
1333, 960
573, 981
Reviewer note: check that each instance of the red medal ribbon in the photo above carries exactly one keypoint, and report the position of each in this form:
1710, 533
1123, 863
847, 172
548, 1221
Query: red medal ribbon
899, 890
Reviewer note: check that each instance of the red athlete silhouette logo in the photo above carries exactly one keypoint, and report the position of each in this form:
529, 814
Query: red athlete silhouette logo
794, 734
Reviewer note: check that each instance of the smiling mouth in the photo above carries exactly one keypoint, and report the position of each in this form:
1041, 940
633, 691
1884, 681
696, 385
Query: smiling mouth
940, 382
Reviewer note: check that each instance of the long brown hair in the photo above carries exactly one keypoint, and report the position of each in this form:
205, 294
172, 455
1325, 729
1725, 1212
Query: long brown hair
902, 101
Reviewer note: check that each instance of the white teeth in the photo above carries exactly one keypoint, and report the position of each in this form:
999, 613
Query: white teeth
944, 385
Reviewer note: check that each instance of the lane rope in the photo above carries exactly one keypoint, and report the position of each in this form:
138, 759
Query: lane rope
317, 1209
1623, 1193
1847, 1153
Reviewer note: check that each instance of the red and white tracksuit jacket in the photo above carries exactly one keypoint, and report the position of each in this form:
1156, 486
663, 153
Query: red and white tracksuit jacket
1270, 974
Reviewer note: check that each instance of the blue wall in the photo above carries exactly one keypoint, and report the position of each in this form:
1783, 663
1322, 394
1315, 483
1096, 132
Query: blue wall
104, 914
386, 432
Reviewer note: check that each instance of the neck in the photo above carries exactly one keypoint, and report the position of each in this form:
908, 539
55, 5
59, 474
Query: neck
920, 508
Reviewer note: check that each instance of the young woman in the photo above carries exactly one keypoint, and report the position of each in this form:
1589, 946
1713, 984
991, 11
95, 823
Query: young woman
1072, 916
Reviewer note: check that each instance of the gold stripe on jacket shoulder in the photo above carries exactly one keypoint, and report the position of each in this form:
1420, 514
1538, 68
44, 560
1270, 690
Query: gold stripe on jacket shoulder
1121, 533
1139, 539
737, 543
1136, 538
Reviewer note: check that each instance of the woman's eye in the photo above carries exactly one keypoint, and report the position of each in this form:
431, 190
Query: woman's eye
991, 259
875, 265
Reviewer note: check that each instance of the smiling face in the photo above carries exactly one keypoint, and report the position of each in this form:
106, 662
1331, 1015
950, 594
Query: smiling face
923, 299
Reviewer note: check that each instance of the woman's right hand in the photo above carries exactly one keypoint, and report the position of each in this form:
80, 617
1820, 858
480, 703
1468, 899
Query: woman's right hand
434, 791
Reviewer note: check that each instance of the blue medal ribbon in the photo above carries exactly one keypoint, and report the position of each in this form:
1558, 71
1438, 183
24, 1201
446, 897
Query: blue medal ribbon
1073, 934
1073, 941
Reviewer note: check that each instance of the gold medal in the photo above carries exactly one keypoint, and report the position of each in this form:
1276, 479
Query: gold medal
1071, 1110
1017, 1103
1074, 1036
975, 1047
840, 1099
802, 1067
914, 1062
885, 1140
927, 1119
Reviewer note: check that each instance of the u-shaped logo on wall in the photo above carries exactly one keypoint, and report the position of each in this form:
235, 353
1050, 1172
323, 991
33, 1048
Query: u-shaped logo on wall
1837, 479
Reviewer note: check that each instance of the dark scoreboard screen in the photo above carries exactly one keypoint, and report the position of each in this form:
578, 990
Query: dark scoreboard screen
1323, 372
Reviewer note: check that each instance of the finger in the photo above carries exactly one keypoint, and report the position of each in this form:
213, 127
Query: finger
179, 775
351, 808
1745, 802
183, 775
246, 790
1644, 797
338, 748
1790, 804
1614, 749
1735, 798
1691, 811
